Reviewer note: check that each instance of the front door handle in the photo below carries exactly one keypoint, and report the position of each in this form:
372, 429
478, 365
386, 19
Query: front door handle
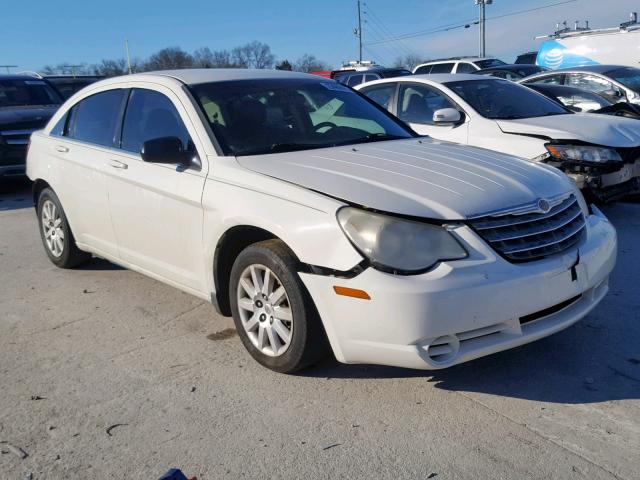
118, 164
61, 149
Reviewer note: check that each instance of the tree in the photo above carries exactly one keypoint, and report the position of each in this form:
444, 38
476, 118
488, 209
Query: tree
309, 63
68, 69
112, 68
284, 65
253, 55
168, 58
409, 61
203, 58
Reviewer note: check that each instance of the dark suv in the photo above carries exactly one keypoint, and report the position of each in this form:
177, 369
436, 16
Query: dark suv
26, 105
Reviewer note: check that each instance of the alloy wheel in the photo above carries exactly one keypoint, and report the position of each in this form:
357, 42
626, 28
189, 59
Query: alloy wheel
265, 310
52, 228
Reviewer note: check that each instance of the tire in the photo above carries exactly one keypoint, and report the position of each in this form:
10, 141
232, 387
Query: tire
272, 307
57, 238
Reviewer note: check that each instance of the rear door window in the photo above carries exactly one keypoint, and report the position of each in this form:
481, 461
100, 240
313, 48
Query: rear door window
550, 79
442, 68
95, 119
381, 94
423, 70
464, 67
355, 80
152, 115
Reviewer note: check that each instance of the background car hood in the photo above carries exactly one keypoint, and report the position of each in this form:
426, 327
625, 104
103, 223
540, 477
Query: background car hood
587, 127
423, 178
16, 117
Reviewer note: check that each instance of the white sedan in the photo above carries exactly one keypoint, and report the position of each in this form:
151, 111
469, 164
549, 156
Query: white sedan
316, 219
602, 154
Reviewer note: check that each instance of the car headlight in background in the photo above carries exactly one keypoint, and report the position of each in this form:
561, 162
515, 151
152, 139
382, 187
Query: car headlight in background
583, 153
398, 245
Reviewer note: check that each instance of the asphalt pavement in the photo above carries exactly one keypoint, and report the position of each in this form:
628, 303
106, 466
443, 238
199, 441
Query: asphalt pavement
107, 374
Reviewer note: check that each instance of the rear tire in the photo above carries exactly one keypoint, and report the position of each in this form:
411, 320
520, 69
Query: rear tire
56, 234
274, 315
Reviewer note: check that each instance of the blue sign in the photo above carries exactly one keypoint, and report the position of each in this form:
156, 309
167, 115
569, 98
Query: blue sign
553, 55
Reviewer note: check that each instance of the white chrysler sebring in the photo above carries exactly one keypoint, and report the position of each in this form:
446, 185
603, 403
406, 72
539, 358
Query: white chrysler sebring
316, 218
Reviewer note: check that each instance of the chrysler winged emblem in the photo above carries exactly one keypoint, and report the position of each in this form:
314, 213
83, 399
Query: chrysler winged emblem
543, 205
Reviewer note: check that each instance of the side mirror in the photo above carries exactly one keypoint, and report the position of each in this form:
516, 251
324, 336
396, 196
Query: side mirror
165, 150
447, 116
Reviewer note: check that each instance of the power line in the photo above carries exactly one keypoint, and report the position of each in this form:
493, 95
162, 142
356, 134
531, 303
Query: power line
408, 50
445, 28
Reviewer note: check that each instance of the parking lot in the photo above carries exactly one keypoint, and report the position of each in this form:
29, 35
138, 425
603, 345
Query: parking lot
109, 374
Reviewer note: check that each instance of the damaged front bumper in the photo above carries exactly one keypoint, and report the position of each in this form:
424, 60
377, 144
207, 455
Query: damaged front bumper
604, 183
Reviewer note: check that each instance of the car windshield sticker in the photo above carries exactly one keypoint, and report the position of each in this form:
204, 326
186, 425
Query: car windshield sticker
34, 82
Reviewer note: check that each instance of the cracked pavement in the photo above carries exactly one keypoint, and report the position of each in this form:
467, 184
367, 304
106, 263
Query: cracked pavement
102, 348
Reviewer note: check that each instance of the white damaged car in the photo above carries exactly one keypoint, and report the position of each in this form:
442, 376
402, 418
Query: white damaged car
601, 153
317, 219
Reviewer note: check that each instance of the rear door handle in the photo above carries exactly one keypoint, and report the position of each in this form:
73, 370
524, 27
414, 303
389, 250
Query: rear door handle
118, 164
61, 149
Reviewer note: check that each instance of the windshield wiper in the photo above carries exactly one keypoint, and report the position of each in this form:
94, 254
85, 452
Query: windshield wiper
281, 147
376, 137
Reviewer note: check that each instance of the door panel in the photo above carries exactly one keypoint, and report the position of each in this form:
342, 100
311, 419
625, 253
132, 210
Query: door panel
156, 208
81, 143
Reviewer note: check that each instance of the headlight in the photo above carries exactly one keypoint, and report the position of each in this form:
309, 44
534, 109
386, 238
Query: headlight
583, 153
394, 244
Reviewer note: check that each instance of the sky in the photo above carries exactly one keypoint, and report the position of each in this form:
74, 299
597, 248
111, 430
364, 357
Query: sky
41, 32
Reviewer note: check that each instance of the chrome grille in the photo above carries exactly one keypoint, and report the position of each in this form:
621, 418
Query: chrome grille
530, 236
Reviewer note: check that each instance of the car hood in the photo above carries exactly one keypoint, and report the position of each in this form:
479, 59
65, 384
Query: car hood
587, 127
422, 178
26, 117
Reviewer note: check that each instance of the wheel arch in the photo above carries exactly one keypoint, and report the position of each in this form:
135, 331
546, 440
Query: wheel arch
38, 185
229, 246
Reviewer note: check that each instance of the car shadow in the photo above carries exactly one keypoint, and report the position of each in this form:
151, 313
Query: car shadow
15, 193
595, 360
99, 264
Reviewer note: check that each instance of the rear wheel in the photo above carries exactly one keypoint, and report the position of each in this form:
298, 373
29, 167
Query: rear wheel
56, 234
274, 315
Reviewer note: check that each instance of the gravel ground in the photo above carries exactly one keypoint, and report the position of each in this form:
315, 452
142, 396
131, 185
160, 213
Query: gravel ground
108, 374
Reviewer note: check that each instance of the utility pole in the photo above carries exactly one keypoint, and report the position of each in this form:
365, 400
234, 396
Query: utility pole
8, 67
483, 19
126, 46
358, 32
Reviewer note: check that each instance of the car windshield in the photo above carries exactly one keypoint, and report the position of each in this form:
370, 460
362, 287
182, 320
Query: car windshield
18, 93
252, 117
628, 76
503, 100
489, 63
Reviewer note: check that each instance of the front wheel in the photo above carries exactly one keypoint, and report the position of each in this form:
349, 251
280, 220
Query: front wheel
273, 313
56, 234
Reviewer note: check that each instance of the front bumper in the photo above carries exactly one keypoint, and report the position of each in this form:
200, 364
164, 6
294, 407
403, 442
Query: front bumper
464, 309
612, 185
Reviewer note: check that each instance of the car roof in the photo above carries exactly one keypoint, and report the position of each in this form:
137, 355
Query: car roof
194, 76
511, 67
552, 87
18, 77
370, 70
435, 78
591, 68
449, 77
457, 59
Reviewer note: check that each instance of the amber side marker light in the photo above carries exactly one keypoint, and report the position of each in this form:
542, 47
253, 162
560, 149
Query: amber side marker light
352, 292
